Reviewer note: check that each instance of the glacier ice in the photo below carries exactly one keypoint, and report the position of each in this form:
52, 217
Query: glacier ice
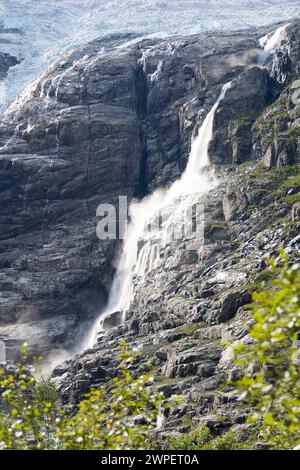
51, 27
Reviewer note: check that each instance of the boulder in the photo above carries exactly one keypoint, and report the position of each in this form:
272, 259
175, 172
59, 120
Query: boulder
6, 61
227, 306
296, 212
112, 320
192, 362
235, 202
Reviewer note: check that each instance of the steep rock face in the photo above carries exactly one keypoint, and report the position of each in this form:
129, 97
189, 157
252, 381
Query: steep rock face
276, 133
182, 79
245, 100
184, 311
66, 149
235, 135
113, 118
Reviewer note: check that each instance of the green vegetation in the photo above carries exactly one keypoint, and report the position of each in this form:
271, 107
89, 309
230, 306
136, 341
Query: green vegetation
278, 181
284, 185
248, 120
28, 410
293, 135
263, 279
291, 199
277, 175
271, 381
187, 330
274, 122
119, 415
292, 180
202, 439
122, 413
294, 85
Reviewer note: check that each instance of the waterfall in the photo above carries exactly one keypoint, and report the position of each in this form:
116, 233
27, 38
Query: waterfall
173, 203
199, 151
270, 43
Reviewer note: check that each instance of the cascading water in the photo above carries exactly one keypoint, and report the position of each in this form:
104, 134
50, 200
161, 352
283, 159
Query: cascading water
271, 43
174, 203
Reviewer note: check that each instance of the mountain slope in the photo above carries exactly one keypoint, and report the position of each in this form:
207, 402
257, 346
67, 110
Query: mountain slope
96, 125
106, 121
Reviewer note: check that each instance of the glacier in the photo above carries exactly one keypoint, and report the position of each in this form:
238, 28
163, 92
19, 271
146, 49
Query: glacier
47, 28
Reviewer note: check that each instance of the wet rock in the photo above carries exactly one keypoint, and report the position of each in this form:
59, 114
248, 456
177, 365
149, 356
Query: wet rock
82, 385
60, 370
246, 98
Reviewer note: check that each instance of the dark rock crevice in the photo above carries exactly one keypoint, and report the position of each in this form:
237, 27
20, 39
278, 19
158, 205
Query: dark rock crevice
141, 93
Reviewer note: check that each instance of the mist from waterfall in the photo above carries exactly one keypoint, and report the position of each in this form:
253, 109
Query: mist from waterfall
174, 203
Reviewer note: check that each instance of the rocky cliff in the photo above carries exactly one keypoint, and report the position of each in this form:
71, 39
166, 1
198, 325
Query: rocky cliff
117, 118
7, 60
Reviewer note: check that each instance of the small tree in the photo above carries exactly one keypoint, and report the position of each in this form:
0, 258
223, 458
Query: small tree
118, 415
27, 415
271, 365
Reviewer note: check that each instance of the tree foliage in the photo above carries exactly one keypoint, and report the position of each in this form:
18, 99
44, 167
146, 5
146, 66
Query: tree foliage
271, 364
28, 408
118, 415
203, 439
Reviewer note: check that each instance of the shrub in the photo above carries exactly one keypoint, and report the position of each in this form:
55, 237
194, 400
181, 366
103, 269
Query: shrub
118, 415
202, 439
27, 409
271, 365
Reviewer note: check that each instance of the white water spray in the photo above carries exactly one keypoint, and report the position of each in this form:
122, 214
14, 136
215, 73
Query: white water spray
270, 43
175, 202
